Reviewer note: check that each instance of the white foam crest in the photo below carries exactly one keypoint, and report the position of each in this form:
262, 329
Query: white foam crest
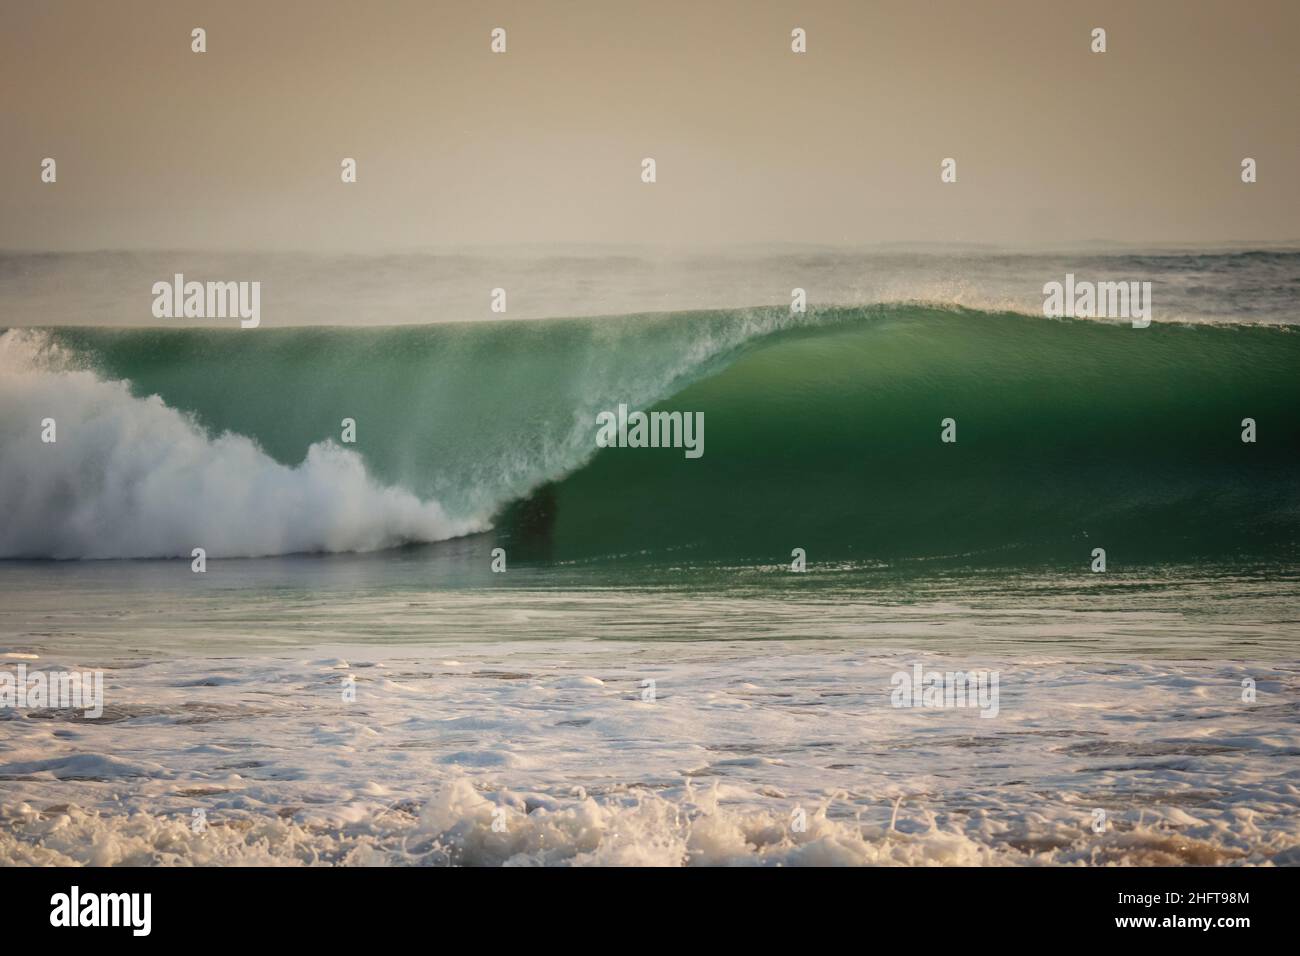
460, 826
130, 477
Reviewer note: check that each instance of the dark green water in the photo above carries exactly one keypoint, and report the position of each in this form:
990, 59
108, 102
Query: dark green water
1070, 436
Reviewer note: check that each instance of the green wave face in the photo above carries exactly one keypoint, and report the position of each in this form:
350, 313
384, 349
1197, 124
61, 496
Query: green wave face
823, 436
1070, 436
471, 414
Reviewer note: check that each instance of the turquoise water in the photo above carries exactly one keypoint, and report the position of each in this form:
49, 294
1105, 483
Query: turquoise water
446, 594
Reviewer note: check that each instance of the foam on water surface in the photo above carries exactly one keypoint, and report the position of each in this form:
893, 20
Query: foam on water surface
546, 753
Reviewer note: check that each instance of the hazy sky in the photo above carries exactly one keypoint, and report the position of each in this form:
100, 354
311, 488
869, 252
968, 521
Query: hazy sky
239, 147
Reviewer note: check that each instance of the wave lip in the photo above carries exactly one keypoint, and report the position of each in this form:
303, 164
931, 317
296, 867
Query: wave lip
131, 477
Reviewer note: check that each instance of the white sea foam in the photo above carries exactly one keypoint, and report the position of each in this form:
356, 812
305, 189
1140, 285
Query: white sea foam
131, 477
548, 755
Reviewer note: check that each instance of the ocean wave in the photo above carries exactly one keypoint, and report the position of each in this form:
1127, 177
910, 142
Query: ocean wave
823, 433
173, 440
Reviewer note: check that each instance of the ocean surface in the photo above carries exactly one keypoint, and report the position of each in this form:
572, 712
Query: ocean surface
649, 681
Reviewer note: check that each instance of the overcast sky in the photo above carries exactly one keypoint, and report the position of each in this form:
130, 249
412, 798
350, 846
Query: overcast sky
239, 147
